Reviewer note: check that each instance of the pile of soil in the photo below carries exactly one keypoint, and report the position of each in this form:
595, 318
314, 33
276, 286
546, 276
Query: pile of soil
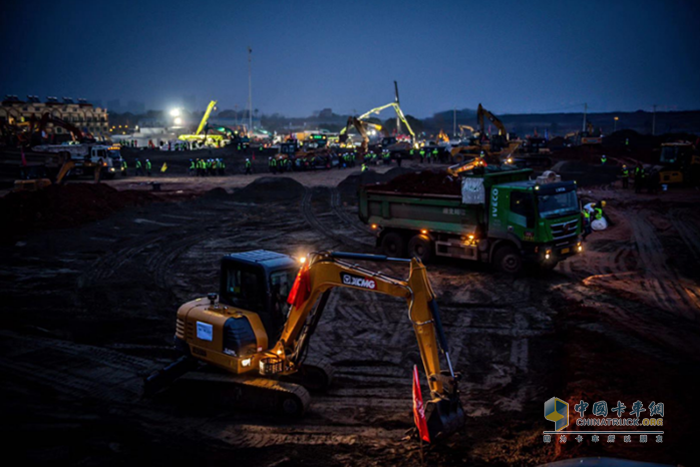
436, 183
270, 189
348, 187
62, 206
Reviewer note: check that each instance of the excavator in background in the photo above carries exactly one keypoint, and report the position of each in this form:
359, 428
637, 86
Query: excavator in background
259, 327
679, 163
361, 126
201, 136
442, 137
464, 128
400, 118
484, 150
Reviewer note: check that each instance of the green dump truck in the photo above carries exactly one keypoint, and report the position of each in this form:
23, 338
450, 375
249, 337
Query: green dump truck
502, 217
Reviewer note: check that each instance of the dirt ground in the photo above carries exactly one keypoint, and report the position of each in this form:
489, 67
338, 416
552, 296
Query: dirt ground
89, 311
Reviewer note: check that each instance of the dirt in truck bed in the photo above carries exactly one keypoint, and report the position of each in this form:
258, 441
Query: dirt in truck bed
89, 311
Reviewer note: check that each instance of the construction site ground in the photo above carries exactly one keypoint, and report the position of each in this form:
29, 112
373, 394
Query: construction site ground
89, 311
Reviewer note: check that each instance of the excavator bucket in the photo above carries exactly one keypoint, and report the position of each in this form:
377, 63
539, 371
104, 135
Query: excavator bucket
444, 418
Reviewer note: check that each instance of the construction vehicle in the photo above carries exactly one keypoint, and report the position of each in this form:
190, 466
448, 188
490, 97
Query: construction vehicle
679, 163
259, 327
204, 137
99, 160
361, 126
495, 149
502, 217
400, 117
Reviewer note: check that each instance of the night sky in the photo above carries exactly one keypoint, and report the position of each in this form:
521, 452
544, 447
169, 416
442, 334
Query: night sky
520, 56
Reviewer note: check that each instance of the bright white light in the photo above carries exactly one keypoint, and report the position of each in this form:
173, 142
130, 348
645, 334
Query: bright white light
246, 362
175, 113
178, 121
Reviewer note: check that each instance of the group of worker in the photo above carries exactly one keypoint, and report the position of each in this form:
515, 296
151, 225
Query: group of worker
426, 155
140, 168
207, 167
643, 177
591, 212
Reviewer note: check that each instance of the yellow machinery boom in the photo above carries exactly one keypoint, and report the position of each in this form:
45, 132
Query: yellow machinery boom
205, 117
244, 343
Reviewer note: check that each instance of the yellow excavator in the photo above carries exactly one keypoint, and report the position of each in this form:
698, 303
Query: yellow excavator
496, 150
361, 127
259, 327
399, 116
200, 136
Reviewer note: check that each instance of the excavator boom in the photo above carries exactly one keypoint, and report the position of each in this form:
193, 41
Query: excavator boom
205, 117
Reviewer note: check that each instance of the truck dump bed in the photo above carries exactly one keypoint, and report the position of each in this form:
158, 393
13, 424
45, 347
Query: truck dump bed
416, 211
389, 206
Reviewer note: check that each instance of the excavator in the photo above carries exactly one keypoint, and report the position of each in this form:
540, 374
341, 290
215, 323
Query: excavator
202, 136
498, 149
259, 327
400, 117
361, 126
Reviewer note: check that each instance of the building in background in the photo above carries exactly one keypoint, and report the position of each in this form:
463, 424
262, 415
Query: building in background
82, 114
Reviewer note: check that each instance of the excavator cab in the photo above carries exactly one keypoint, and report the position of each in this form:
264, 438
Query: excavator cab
259, 281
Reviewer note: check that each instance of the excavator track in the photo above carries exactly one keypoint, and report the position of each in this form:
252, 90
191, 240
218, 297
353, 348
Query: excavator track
252, 393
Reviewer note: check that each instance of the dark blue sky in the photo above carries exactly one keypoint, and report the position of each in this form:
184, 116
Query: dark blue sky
513, 56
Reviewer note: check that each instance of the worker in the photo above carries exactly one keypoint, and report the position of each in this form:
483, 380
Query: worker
421, 154
222, 167
364, 167
139, 167
435, 155
587, 230
625, 177
248, 167
640, 180
598, 210
603, 159
272, 164
148, 167
192, 167
124, 167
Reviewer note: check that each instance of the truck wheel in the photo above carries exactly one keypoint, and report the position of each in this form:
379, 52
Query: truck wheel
508, 259
420, 247
393, 245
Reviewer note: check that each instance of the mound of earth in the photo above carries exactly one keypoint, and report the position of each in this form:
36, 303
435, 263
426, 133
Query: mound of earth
274, 189
62, 206
348, 187
427, 181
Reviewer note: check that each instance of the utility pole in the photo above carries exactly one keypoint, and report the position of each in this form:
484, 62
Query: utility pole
454, 124
653, 122
250, 92
585, 110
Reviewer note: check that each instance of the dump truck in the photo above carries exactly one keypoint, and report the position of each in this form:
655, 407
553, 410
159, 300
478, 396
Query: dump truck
503, 217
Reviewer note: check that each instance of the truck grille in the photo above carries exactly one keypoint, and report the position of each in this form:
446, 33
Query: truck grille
564, 229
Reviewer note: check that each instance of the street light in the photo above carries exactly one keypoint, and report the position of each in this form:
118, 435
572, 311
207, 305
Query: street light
615, 124
175, 113
177, 121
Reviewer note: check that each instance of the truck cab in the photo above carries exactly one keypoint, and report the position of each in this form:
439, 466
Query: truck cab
541, 220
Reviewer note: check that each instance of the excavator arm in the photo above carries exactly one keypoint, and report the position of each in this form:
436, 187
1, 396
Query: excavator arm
205, 117
361, 127
327, 270
481, 113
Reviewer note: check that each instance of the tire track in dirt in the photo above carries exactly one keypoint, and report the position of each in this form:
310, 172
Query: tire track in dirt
353, 223
662, 282
311, 218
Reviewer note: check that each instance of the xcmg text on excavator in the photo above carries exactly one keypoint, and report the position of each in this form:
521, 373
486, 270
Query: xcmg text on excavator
260, 335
